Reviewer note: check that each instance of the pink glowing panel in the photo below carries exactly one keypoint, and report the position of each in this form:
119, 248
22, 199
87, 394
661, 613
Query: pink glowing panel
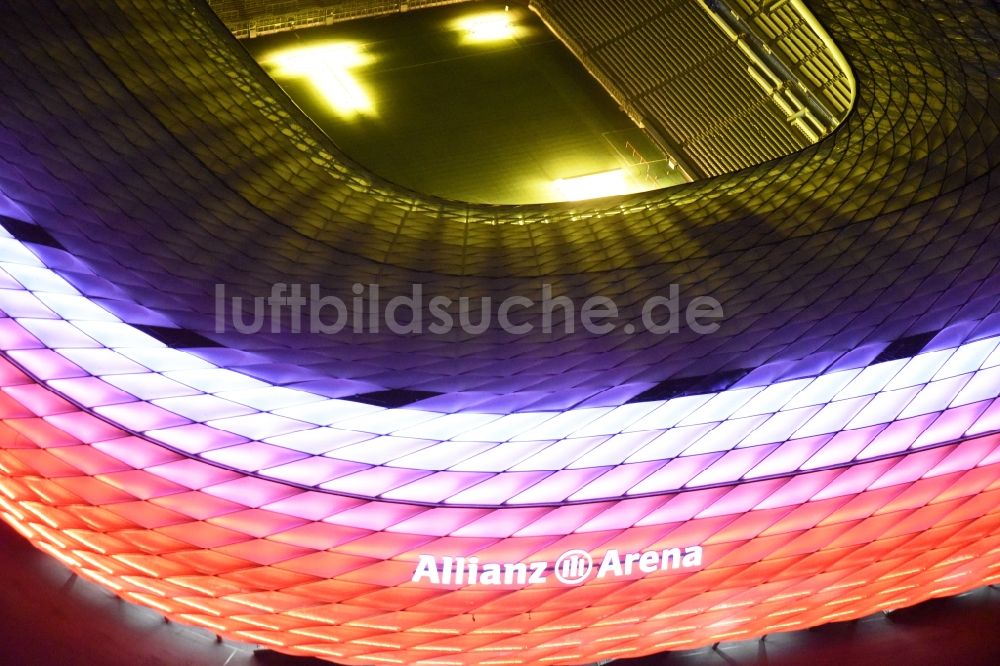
502, 523
319, 440
855, 479
616, 481
314, 505
897, 436
966, 456
558, 486
733, 465
86, 427
253, 456
788, 457
39, 400
137, 452
951, 424
203, 407
375, 515
742, 498
675, 474
799, 489
779, 427
563, 520
621, 515
988, 421
257, 523
89, 460
439, 486
195, 438
141, 416
671, 443
90, 391
498, 489
250, 491
843, 447
992, 458
319, 536
11, 408
14, 336
46, 364
141, 484
438, 522
57, 333
375, 481
193, 474
312, 471
683, 506
911, 468
725, 435
259, 426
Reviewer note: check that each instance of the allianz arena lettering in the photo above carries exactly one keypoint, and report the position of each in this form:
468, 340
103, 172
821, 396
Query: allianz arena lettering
571, 568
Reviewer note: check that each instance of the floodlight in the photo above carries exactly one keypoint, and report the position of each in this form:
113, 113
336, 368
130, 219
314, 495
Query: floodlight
593, 185
328, 66
488, 27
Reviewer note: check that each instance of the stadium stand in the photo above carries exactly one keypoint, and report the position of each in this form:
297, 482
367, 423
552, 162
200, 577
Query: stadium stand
708, 90
834, 448
253, 18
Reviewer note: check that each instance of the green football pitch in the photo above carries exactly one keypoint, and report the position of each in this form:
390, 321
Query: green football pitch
468, 102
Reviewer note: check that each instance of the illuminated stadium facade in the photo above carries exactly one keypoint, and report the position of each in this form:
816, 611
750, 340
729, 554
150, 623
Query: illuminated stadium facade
832, 450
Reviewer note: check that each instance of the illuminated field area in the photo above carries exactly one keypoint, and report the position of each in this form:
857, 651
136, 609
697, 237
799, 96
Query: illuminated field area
468, 102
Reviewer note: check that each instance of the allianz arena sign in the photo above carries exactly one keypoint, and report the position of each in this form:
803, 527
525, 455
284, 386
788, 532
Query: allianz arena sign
573, 567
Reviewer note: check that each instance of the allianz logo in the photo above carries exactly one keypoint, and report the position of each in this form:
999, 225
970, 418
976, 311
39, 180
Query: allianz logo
571, 568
